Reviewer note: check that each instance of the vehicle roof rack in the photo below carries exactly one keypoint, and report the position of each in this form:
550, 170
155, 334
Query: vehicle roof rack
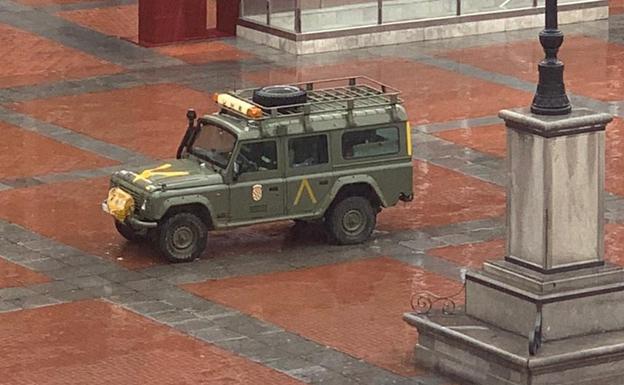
324, 96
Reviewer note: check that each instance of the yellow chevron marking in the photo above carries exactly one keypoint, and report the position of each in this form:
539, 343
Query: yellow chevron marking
304, 185
147, 174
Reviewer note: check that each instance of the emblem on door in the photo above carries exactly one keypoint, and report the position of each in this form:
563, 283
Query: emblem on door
256, 192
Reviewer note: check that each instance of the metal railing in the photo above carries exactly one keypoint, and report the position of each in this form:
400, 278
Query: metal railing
296, 15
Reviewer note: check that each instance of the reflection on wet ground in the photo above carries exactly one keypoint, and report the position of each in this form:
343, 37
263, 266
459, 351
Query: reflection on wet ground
272, 303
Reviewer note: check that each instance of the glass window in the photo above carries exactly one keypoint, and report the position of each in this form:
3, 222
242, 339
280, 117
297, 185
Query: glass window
257, 156
213, 144
308, 151
373, 142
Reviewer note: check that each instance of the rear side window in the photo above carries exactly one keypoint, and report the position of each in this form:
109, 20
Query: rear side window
371, 142
308, 151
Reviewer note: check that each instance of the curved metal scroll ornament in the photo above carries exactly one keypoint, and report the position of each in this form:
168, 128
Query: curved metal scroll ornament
535, 336
424, 302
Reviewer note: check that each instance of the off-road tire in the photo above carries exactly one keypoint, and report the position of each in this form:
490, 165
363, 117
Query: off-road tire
182, 237
129, 233
351, 221
275, 96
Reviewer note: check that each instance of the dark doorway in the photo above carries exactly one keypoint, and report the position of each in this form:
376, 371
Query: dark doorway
166, 21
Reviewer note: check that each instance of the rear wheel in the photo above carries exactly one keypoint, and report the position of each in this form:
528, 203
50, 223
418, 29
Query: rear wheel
351, 220
182, 237
129, 233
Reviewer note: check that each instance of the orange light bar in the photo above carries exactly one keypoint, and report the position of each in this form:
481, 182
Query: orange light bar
239, 105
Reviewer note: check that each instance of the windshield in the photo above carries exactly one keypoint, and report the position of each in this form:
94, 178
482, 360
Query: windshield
213, 144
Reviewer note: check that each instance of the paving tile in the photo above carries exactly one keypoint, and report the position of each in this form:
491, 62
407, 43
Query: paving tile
147, 119
21, 60
353, 307
431, 94
443, 197
10, 293
614, 243
519, 59
120, 21
34, 301
216, 334
471, 255
107, 344
489, 139
204, 52
25, 154
12, 275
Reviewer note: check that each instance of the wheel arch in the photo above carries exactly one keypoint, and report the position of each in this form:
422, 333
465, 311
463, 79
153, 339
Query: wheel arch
195, 205
364, 186
360, 185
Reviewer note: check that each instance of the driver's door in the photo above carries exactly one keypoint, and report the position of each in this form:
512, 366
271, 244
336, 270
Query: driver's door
257, 191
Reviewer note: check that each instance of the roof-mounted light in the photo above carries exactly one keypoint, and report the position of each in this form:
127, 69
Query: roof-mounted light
239, 105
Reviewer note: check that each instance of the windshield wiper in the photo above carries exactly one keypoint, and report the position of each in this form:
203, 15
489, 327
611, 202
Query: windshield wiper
207, 156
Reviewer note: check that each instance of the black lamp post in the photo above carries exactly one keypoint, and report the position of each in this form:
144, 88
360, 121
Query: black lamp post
551, 98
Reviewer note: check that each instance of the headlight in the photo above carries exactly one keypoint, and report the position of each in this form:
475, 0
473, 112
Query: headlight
120, 203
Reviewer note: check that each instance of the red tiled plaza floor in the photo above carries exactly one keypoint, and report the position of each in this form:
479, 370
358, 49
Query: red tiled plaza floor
121, 21
616, 7
431, 94
471, 255
354, 307
70, 213
492, 140
28, 59
24, 153
94, 342
614, 243
603, 81
147, 119
12, 275
441, 197
204, 52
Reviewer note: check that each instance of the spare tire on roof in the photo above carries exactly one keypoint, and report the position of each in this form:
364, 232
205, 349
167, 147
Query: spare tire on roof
283, 95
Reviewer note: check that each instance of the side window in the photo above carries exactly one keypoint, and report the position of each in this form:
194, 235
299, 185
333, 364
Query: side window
371, 142
307, 151
257, 156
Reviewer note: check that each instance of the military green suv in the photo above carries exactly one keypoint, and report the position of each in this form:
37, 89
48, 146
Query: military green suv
334, 151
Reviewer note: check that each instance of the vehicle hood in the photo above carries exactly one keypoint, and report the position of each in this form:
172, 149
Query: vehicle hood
174, 174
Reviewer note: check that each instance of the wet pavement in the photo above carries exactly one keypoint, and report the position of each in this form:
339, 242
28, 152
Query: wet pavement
264, 304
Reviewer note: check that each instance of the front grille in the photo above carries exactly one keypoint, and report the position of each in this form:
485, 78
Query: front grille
137, 196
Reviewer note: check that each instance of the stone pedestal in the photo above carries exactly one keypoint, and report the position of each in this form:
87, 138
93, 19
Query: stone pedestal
553, 288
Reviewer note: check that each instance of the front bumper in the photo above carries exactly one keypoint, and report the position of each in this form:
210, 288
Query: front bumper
130, 220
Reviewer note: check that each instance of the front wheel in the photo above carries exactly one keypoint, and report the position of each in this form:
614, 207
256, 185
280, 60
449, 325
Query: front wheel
182, 237
351, 220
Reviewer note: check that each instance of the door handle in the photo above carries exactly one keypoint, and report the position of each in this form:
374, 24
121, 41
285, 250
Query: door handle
274, 188
323, 182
